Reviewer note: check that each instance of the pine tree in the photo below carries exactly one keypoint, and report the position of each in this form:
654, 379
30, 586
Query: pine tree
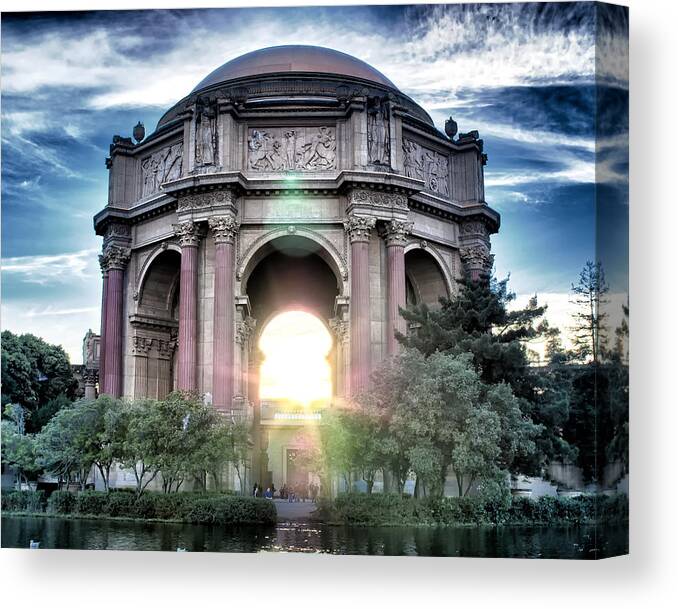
589, 333
478, 321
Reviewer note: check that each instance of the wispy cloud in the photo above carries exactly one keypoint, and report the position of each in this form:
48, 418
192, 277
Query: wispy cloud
59, 268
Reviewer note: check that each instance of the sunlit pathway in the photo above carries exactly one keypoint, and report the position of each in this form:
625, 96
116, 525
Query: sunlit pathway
298, 511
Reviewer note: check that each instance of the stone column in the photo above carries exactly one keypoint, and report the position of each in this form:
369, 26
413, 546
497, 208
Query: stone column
90, 377
396, 237
104, 300
165, 353
340, 329
115, 260
358, 229
188, 306
477, 261
140, 348
225, 229
474, 249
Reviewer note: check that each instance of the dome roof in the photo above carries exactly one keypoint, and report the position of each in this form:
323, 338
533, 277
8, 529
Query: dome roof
293, 58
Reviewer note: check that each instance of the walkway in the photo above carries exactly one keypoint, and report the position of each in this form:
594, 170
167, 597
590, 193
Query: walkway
294, 512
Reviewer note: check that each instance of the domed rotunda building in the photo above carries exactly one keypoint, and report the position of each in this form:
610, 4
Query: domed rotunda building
290, 178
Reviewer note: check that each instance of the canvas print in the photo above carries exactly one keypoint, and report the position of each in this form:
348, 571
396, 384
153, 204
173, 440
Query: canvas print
346, 280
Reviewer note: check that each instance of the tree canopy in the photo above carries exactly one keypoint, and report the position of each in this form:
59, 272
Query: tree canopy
36, 375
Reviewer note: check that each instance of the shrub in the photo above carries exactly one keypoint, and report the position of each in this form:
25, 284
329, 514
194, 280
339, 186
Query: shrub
385, 509
23, 501
225, 509
91, 502
61, 502
121, 504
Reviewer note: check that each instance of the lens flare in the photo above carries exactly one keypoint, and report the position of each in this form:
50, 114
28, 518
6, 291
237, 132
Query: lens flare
295, 367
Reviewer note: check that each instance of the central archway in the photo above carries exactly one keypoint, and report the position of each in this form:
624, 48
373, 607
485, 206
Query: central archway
292, 283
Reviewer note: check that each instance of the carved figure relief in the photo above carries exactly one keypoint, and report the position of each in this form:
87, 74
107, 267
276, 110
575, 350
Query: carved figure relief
299, 149
206, 136
161, 166
428, 165
378, 138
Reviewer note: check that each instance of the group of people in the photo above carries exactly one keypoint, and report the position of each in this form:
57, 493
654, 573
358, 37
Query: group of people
292, 493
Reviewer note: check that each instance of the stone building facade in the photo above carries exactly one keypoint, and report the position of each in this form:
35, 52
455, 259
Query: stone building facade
289, 177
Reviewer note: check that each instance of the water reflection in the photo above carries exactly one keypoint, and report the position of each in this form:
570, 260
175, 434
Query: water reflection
506, 542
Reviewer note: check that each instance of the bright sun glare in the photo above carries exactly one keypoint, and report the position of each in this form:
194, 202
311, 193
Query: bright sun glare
295, 368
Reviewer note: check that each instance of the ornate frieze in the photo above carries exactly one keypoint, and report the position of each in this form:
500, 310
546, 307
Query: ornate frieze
114, 257
116, 231
427, 165
205, 200
396, 232
166, 348
340, 329
476, 258
359, 227
375, 198
206, 143
244, 329
225, 228
378, 132
90, 376
141, 345
188, 233
292, 149
474, 229
162, 166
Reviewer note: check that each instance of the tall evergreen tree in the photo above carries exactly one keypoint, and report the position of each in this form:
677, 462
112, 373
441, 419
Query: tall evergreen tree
479, 321
589, 298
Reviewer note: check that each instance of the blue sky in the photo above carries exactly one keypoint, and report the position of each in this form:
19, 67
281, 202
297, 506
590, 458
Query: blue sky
555, 127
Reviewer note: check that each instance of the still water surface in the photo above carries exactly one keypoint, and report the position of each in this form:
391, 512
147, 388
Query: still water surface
506, 542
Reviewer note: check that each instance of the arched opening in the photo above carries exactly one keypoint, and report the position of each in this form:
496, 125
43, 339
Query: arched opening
296, 364
291, 270
424, 279
155, 325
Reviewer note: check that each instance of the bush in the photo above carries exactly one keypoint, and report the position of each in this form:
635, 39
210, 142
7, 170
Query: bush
226, 509
121, 504
91, 502
61, 502
389, 509
23, 501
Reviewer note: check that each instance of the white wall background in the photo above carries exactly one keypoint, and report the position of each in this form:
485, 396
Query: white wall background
647, 578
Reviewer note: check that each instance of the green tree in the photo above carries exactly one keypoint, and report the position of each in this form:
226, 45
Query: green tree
36, 375
442, 415
589, 299
66, 446
480, 320
142, 449
18, 448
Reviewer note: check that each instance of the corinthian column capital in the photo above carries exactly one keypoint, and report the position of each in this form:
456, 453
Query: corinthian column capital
225, 228
396, 232
114, 257
359, 227
188, 233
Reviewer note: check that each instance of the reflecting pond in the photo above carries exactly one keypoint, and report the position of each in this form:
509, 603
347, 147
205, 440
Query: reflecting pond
585, 542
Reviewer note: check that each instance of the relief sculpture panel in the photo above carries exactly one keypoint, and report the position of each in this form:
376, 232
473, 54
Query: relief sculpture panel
161, 166
428, 165
292, 148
